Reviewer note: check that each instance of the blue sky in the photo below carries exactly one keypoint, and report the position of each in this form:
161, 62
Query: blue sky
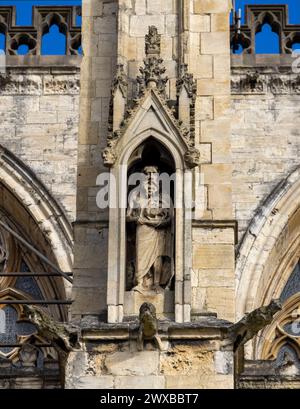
54, 43
24, 7
294, 7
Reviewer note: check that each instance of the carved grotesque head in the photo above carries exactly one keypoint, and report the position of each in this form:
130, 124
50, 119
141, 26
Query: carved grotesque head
275, 306
147, 309
33, 314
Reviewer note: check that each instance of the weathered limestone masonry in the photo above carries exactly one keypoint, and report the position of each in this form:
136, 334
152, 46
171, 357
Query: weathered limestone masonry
194, 45
265, 154
193, 356
200, 39
155, 97
39, 113
265, 130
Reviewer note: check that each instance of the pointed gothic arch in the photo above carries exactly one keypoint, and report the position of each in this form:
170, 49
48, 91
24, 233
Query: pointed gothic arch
269, 251
28, 209
151, 120
43, 210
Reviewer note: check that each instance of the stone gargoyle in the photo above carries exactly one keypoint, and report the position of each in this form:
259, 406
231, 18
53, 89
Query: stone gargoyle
148, 329
246, 329
64, 336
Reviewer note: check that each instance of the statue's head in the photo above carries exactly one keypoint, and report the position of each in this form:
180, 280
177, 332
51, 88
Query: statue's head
151, 182
34, 314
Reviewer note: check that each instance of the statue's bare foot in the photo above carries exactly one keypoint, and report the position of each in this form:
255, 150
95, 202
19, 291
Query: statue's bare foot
158, 289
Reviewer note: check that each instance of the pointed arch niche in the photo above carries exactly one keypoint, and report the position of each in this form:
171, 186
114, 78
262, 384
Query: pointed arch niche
151, 128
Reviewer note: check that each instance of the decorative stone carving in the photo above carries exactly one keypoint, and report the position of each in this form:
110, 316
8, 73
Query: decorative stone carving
60, 85
187, 82
120, 81
20, 85
118, 99
186, 96
285, 330
279, 85
152, 42
152, 75
192, 157
148, 329
109, 156
28, 356
64, 336
255, 82
252, 323
152, 79
152, 212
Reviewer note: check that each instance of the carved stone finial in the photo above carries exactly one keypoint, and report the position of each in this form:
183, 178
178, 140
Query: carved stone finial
187, 81
152, 75
148, 328
152, 42
252, 323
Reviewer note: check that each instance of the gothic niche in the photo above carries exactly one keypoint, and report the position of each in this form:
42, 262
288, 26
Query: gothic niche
150, 220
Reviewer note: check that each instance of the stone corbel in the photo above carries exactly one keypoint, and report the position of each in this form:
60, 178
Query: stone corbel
192, 157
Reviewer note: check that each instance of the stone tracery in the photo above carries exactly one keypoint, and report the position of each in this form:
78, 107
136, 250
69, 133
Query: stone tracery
43, 19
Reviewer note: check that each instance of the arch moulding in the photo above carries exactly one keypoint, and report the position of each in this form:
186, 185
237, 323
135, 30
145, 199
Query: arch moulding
41, 206
271, 247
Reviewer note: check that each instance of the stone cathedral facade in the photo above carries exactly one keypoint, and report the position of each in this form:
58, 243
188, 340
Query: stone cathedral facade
99, 287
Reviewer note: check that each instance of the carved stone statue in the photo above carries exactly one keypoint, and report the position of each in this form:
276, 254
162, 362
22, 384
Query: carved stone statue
64, 336
152, 41
148, 326
152, 213
28, 355
252, 323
